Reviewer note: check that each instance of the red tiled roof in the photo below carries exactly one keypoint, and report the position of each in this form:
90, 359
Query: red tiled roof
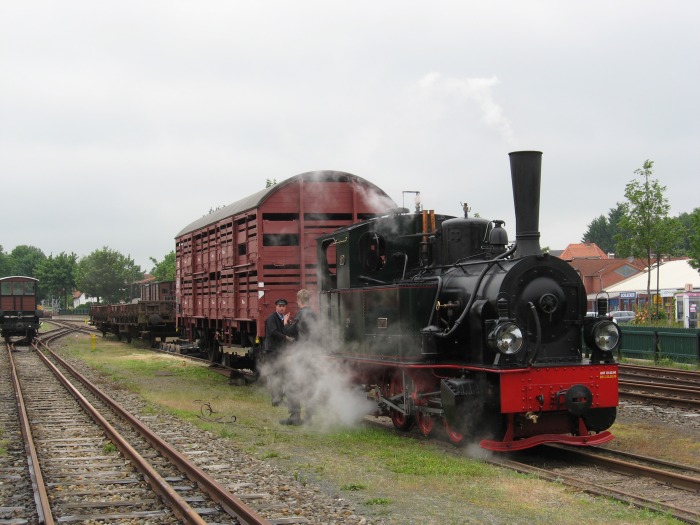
583, 251
601, 273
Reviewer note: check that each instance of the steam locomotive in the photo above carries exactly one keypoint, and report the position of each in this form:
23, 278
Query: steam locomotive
442, 322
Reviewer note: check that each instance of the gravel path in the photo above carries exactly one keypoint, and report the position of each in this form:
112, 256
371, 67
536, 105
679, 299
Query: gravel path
260, 484
687, 420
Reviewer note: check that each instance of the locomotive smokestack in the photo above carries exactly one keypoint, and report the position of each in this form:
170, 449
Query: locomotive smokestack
526, 173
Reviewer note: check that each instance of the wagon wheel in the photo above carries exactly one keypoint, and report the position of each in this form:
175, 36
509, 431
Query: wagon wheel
455, 437
401, 421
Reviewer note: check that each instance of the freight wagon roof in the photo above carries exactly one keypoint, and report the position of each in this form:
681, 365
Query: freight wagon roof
256, 199
18, 278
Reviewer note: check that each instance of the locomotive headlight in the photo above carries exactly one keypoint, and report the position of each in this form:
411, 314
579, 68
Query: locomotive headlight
602, 335
507, 338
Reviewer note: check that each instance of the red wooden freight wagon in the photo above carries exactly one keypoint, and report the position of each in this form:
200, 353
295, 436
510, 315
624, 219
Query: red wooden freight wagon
233, 264
18, 307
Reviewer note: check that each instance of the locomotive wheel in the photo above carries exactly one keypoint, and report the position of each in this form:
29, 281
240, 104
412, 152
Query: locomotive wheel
401, 421
455, 437
425, 423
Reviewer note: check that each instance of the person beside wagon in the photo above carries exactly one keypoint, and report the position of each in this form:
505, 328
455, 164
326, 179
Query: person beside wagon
301, 329
275, 343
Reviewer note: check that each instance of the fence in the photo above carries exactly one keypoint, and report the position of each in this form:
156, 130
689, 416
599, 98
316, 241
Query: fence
681, 345
81, 310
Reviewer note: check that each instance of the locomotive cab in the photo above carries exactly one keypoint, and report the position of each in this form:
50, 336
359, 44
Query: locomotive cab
366, 288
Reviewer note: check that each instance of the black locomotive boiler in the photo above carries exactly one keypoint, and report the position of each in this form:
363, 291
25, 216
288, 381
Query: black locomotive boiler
442, 321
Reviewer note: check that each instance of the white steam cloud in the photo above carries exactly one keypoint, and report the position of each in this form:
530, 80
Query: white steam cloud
478, 91
324, 388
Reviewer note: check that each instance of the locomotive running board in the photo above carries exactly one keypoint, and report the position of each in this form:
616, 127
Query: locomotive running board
521, 444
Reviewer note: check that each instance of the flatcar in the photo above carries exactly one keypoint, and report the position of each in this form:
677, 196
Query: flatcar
443, 322
150, 321
233, 264
19, 315
150, 317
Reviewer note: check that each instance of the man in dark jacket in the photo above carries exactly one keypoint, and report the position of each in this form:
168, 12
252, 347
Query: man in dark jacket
275, 343
275, 339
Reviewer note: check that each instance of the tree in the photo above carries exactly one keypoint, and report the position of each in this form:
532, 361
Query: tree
24, 259
165, 269
684, 247
645, 228
602, 230
57, 276
694, 239
106, 274
4, 263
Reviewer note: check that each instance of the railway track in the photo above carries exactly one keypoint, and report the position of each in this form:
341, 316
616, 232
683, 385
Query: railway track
650, 486
677, 388
94, 467
638, 480
641, 481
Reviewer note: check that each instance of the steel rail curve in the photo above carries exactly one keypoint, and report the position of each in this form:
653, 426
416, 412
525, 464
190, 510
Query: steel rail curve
231, 503
180, 507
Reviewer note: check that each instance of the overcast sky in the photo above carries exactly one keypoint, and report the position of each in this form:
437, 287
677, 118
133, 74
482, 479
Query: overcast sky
123, 122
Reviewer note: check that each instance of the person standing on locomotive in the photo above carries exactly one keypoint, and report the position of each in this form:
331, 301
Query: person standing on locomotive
302, 329
275, 343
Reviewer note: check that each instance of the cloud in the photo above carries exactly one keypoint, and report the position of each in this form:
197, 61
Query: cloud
143, 109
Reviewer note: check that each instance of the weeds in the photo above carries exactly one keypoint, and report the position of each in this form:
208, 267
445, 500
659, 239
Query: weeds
413, 476
353, 487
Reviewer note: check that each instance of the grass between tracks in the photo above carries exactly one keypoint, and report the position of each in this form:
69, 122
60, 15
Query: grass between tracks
390, 479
